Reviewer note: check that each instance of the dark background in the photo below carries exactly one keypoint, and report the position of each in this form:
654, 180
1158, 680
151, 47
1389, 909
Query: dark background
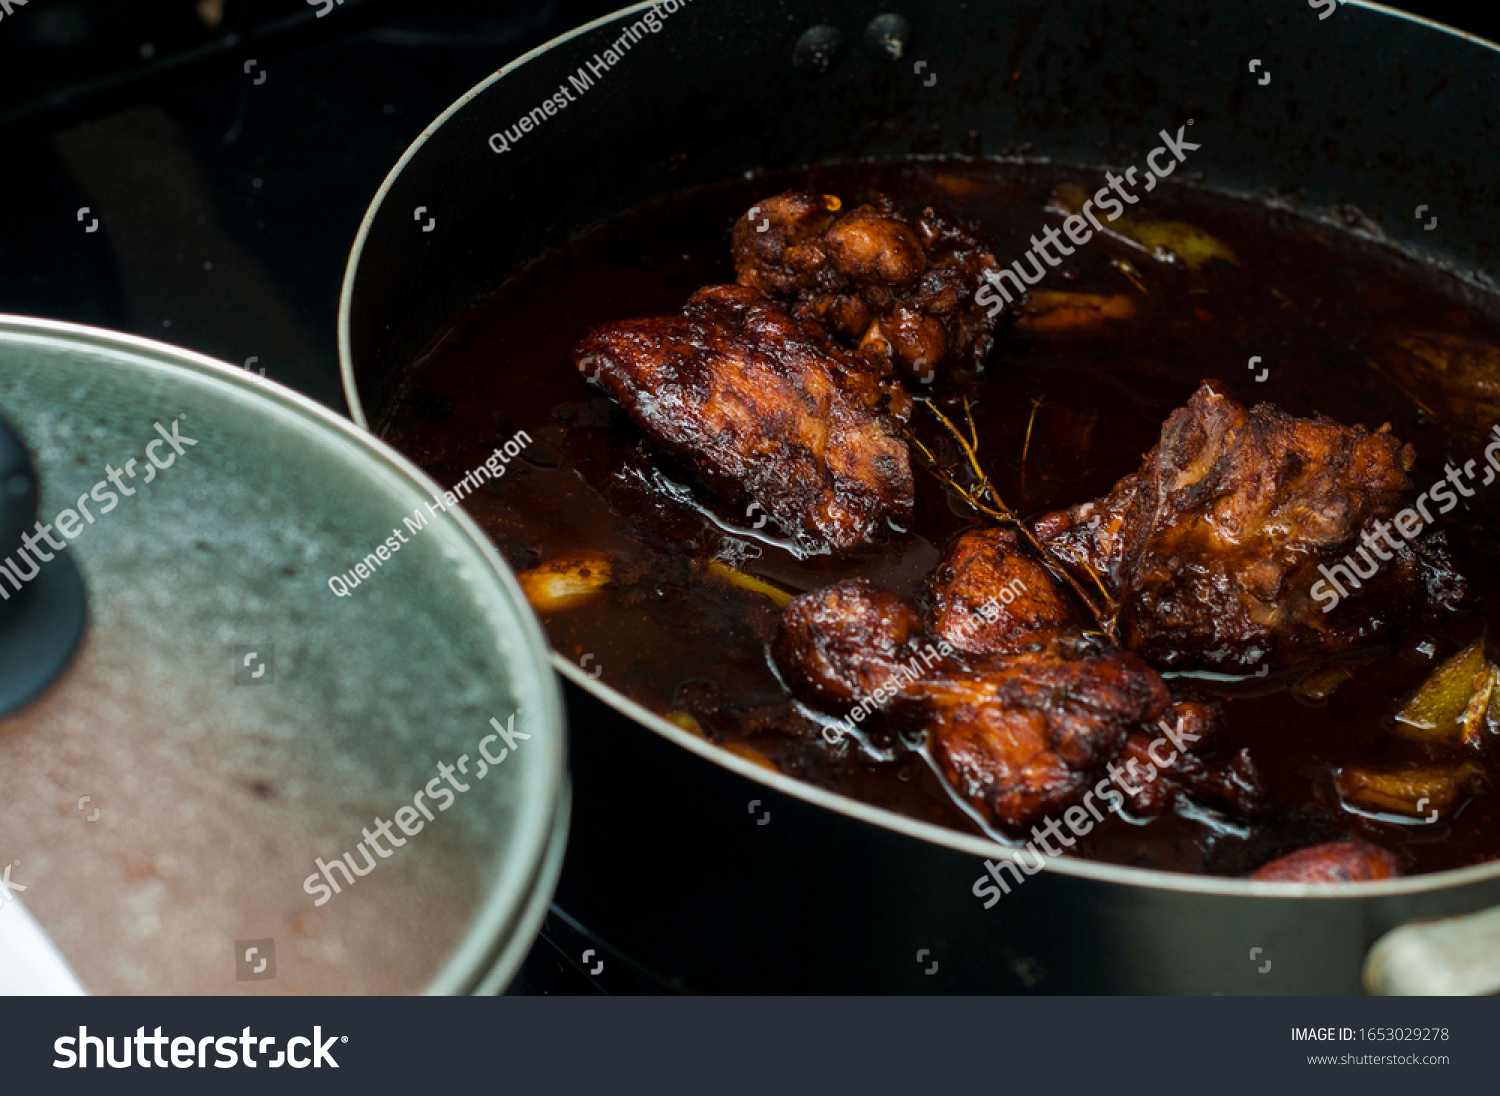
229, 149
228, 206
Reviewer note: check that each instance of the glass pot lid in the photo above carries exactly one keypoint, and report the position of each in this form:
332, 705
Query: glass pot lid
247, 778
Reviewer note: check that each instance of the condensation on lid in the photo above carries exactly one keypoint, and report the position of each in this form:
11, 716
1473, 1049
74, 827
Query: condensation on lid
228, 720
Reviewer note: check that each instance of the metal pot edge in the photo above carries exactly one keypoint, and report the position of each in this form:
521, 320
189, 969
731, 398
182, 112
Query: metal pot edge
888, 820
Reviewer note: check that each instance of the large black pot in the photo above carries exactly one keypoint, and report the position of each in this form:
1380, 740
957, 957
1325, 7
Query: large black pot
1367, 108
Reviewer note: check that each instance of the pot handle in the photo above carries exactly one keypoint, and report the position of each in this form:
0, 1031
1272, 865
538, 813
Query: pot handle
1453, 956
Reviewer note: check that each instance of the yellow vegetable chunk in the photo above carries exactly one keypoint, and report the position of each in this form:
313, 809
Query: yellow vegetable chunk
687, 722
957, 184
1047, 311
1318, 686
1165, 240
748, 582
751, 754
1451, 704
1452, 377
1414, 792
566, 581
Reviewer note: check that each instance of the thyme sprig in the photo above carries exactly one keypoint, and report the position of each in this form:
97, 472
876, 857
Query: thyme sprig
981, 494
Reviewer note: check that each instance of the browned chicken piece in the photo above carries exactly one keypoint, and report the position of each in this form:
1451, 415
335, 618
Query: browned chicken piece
1335, 862
1018, 737
766, 409
1030, 735
902, 290
1213, 549
990, 596
1157, 773
843, 643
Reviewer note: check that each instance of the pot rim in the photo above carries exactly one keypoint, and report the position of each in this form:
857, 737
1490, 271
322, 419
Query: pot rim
491, 944
1098, 871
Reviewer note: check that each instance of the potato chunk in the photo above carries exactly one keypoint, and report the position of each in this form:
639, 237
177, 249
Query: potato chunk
1428, 793
566, 581
1047, 312
1452, 377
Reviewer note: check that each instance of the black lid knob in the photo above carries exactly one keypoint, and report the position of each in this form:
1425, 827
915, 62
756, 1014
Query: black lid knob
43, 605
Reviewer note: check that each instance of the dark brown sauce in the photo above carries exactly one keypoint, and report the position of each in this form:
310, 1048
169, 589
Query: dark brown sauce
1313, 303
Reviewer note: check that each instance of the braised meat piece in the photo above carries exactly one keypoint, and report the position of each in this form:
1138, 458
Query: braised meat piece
1028, 737
990, 596
1160, 767
1335, 862
1018, 737
1218, 550
766, 409
902, 290
837, 646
